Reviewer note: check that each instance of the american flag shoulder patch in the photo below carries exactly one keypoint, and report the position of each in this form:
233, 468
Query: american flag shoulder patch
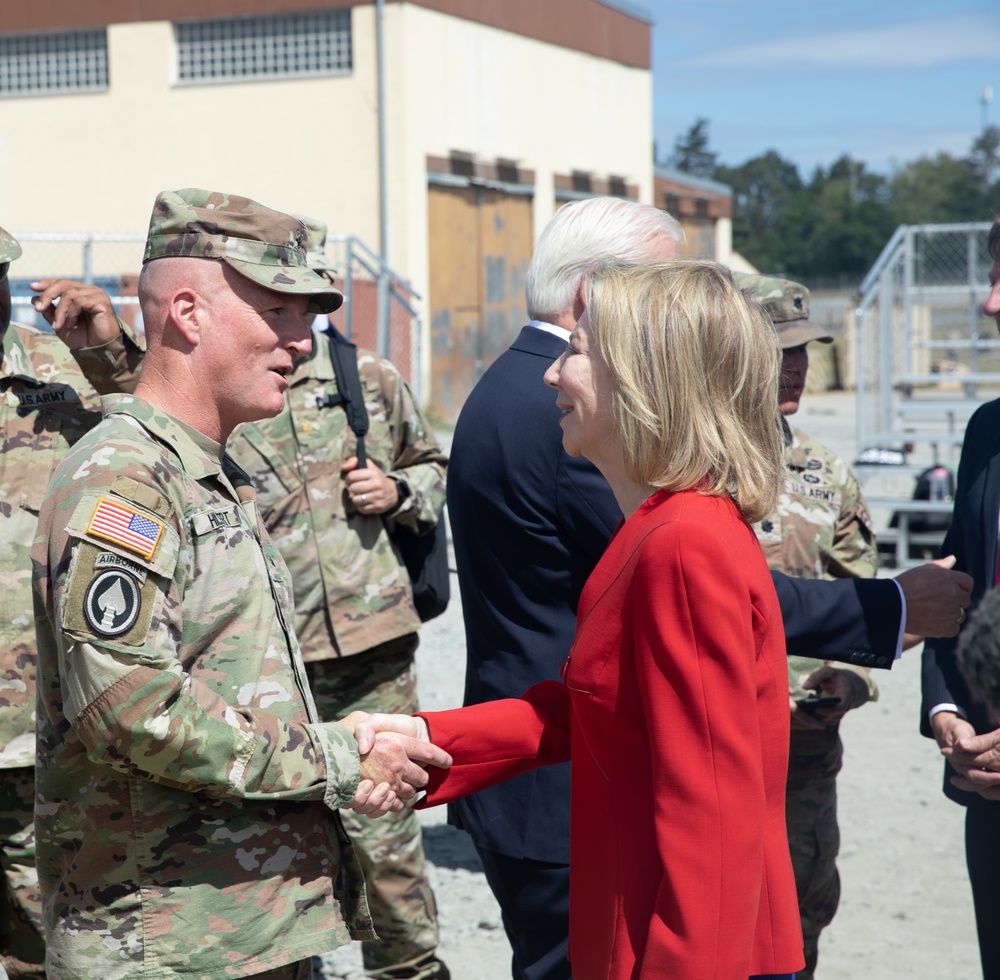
120, 524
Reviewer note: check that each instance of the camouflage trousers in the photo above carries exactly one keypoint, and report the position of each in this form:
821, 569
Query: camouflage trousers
390, 848
813, 833
22, 948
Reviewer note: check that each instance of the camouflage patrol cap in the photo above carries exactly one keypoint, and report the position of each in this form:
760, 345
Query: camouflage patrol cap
264, 245
315, 243
787, 304
9, 248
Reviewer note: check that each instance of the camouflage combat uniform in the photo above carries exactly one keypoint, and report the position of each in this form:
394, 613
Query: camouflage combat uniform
822, 529
187, 810
354, 613
46, 405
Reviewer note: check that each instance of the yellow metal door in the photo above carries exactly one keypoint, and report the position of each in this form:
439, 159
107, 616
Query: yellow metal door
480, 244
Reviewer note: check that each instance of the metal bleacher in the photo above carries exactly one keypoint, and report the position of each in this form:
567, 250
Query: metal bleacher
924, 358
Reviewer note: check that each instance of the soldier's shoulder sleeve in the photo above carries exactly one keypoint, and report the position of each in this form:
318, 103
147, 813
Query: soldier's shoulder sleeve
53, 363
380, 382
852, 550
854, 545
111, 535
114, 366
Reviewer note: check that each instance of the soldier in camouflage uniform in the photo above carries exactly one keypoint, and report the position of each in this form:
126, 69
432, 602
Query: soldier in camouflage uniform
49, 400
187, 796
354, 613
822, 529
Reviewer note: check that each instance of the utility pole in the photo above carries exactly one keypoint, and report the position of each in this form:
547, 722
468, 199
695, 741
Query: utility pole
985, 98
382, 323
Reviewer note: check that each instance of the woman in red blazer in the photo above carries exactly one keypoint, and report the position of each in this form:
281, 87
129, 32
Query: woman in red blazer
674, 701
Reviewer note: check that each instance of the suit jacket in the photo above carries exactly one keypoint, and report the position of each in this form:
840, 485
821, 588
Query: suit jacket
529, 524
675, 712
972, 539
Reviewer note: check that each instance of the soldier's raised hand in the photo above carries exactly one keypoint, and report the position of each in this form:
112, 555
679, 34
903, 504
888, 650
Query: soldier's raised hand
81, 315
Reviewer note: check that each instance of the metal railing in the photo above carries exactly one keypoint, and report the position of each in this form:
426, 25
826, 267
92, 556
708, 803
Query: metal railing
379, 312
924, 358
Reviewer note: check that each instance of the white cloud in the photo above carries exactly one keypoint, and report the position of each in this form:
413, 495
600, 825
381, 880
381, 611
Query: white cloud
919, 44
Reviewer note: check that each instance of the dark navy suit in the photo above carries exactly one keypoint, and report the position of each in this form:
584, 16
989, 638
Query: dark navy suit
528, 524
972, 539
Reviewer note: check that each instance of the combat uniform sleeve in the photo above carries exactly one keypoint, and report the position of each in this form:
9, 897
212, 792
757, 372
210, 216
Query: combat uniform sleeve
113, 366
417, 464
165, 644
853, 553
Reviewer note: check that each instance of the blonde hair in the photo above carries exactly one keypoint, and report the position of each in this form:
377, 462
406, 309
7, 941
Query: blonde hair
695, 365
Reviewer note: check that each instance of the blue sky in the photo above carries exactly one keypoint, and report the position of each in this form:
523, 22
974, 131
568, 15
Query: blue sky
886, 81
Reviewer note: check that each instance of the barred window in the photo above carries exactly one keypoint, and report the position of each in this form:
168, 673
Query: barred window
291, 45
38, 64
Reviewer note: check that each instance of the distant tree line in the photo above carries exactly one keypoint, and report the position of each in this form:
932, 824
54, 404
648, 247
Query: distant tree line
834, 224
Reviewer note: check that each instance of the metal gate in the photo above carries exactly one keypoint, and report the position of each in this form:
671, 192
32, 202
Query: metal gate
922, 357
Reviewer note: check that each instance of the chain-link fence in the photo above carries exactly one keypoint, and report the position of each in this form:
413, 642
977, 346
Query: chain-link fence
922, 357
378, 313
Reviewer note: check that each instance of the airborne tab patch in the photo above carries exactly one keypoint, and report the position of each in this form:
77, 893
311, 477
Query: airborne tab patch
124, 526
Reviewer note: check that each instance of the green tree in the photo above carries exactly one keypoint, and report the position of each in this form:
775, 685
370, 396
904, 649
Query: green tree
845, 220
691, 153
937, 189
766, 196
985, 156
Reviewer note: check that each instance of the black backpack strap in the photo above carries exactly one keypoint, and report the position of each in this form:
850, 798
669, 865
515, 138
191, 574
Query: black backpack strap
344, 356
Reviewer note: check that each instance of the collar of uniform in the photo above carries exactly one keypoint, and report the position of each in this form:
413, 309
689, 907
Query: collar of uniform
200, 456
795, 454
16, 362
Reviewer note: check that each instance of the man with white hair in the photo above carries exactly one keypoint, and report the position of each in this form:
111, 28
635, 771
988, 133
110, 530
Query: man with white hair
529, 523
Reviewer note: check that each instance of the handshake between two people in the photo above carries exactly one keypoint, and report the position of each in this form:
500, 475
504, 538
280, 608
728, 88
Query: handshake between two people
395, 752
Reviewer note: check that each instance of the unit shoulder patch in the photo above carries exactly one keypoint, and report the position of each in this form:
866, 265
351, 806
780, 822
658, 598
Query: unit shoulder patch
109, 596
112, 602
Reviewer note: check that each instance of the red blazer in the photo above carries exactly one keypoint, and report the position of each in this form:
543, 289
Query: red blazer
675, 712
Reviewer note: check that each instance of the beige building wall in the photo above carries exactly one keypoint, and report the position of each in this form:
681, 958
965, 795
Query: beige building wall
94, 162
456, 85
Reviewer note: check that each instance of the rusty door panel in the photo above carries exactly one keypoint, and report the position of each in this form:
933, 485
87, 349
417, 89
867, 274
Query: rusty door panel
480, 244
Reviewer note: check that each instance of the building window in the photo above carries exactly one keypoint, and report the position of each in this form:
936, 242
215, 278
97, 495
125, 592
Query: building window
701, 208
672, 203
43, 64
286, 46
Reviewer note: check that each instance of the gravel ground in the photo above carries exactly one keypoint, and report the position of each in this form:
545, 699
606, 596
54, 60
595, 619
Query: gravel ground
905, 912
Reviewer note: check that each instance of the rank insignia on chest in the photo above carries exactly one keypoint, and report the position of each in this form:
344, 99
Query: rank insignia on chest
123, 526
112, 602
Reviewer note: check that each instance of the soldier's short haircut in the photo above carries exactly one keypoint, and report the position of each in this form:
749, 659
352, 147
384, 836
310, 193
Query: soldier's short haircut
978, 650
585, 235
993, 242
